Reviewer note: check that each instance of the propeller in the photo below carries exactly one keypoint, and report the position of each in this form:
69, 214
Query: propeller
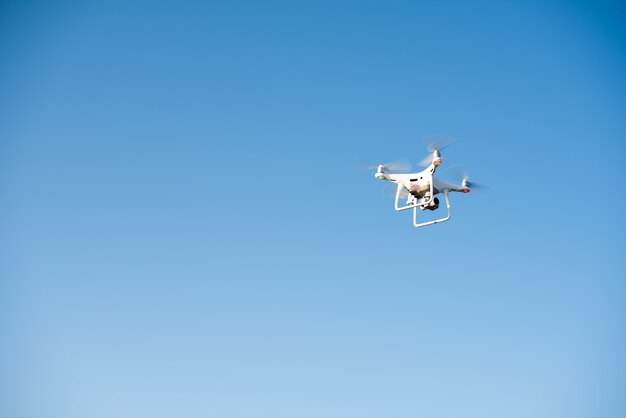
426, 161
434, 146
472, 185
460, 176
392, 166
437, 144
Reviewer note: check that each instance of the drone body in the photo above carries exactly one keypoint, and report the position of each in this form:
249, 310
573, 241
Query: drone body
422, 188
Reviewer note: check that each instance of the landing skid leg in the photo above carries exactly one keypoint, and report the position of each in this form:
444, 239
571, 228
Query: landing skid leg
436, 221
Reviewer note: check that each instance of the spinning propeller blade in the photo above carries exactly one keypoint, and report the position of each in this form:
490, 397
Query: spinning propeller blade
473, 185
392, 167
434, 145
437, 144
426, 161
460, 176
400, 165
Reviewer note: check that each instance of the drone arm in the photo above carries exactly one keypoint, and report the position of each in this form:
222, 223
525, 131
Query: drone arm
436, 221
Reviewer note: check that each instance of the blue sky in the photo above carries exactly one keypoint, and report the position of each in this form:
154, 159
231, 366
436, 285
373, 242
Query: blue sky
184, 232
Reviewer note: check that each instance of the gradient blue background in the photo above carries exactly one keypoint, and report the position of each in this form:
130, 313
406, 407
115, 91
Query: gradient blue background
183, 232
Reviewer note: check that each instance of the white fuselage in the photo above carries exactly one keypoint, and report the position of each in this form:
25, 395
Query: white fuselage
419, 183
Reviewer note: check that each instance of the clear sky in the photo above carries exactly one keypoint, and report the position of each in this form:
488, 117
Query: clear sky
183, 232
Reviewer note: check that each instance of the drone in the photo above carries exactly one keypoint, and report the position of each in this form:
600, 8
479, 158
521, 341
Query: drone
421, 189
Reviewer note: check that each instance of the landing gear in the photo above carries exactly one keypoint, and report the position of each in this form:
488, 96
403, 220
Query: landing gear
426, 202
436, 221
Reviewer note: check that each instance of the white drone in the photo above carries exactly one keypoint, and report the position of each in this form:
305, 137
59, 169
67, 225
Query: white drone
421, 188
